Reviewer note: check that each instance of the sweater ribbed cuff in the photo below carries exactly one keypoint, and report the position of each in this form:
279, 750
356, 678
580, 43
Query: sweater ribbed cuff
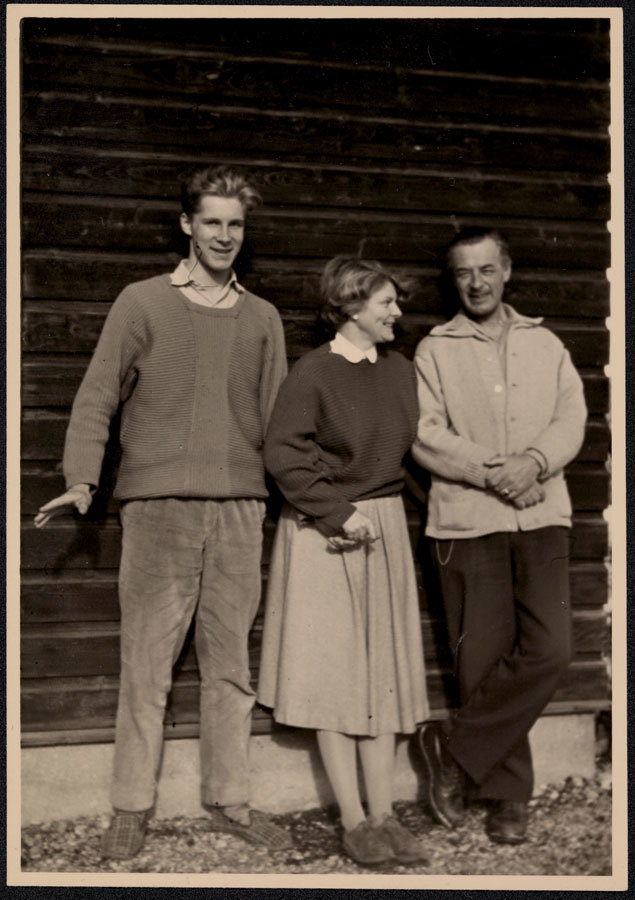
475, 473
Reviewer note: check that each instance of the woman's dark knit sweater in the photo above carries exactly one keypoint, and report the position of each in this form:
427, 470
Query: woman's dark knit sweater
339, 432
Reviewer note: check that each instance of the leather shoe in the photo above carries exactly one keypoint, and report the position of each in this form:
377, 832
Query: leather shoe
407, 849
367, 846
507, 822
444, 782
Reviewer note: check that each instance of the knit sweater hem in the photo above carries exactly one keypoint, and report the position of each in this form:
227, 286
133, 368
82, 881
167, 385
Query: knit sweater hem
446, 534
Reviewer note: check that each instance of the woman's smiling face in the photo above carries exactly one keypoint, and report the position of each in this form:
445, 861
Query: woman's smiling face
377, 317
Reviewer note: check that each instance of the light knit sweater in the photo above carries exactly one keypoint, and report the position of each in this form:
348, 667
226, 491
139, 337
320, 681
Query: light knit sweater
197, 386
339, 433
474, 406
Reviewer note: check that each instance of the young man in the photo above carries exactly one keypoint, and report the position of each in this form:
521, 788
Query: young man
195, 361
501, 413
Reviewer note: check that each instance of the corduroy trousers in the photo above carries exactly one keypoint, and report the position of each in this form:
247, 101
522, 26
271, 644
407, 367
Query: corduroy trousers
506, 598
184, 559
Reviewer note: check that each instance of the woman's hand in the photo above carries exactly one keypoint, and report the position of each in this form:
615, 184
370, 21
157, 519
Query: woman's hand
358, 529
79, 496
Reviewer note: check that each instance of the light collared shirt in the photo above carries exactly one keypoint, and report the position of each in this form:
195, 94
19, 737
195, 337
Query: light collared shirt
349, 351
501, 339
212, 295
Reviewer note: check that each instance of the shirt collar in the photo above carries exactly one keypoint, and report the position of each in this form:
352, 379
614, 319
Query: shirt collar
462, 326
181, 278
343, 347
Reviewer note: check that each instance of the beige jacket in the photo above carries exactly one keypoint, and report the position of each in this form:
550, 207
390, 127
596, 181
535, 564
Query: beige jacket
473, 408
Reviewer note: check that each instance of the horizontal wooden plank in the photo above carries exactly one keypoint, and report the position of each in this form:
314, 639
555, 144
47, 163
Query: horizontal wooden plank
536, 292
588, 583
262, 723
67, 703
589, 486
68, 327
69, 543
119, 224
590, 489
76, 596
54, 380
570, 49
43, 431
69, 596
88, 169
73, 651
231, 80
89, 649
65, 274
412, 118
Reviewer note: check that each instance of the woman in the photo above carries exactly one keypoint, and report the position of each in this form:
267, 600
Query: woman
342, 650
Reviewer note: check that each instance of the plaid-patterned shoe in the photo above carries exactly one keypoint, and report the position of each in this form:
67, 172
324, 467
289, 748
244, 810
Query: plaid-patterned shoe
125, 834
261, 830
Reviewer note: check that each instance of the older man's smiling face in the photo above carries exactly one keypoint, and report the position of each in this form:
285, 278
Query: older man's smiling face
480, 273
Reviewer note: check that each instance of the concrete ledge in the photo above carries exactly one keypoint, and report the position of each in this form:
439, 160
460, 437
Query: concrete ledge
286, 774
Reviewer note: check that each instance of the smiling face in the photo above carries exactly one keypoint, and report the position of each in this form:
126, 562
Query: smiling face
480, 274
376, 318
217, 231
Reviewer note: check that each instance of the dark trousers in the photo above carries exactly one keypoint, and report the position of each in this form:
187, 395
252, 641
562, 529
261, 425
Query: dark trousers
506, 598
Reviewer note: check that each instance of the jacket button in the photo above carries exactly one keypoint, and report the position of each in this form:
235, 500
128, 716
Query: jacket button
498, 388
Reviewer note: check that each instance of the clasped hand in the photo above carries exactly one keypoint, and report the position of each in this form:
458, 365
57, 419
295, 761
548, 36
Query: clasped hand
513, 478
358, 529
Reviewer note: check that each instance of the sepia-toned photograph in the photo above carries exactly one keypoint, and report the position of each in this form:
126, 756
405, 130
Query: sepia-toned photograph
317, 322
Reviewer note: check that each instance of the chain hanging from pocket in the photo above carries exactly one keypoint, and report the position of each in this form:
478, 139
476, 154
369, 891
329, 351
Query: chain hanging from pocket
444, 562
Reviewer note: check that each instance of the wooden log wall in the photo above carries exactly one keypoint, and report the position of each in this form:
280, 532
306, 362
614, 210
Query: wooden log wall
377, 137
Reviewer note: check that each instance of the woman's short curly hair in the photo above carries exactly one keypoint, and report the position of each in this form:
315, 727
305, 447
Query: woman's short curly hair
218, 181
347, 283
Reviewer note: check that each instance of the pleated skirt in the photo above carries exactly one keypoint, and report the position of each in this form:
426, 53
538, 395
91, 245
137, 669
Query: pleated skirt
342, 648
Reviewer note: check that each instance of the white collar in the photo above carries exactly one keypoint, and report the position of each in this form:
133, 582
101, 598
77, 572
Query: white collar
349, 351
181, 278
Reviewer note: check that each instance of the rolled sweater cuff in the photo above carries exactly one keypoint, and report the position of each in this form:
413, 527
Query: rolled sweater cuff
332, 524
73, 478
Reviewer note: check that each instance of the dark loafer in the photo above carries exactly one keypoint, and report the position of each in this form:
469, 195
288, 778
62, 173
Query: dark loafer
507, 822
407, 849
367, 846
444, 781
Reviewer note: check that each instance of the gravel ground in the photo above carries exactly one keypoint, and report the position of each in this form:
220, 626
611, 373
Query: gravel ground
569, 834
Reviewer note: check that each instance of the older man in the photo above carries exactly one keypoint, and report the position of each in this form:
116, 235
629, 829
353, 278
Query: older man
195, 362
501, 413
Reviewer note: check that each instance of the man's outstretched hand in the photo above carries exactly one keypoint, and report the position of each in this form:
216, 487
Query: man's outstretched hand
78, 496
